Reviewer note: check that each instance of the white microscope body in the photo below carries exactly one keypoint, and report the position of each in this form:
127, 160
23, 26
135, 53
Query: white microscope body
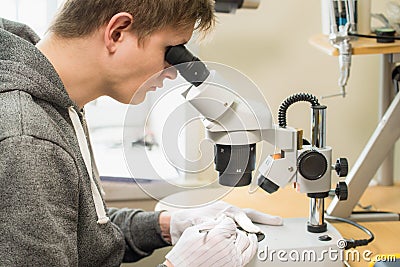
235, 126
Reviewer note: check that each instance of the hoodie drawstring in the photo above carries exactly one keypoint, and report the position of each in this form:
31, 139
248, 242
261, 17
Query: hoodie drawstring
84, 148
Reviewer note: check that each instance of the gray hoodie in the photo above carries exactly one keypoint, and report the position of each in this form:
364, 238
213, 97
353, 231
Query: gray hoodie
47, 212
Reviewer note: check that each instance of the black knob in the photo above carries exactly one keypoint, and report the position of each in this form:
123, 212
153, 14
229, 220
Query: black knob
341, 191
312, 165
342, 167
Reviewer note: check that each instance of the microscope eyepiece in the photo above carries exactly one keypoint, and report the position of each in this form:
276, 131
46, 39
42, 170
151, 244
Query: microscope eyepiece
189, 66
235, 164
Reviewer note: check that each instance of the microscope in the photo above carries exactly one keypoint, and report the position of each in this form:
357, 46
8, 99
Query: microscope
236, 127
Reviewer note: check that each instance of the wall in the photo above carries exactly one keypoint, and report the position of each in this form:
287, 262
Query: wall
270, 45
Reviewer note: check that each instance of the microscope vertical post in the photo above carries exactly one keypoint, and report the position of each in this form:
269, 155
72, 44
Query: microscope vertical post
318, 126
316, 221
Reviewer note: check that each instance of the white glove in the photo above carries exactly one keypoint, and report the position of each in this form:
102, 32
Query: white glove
213, 243
180, 220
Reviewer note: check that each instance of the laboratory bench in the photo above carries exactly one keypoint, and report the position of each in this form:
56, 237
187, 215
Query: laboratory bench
290, 204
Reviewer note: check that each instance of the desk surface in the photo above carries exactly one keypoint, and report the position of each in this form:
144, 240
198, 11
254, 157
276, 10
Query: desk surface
288, 203
362, 46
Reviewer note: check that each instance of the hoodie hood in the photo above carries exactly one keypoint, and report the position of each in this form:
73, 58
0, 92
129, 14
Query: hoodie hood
24, 68
19, 70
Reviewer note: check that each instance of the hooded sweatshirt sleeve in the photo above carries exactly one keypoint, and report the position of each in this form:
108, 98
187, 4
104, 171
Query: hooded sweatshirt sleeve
37, 222
141, 230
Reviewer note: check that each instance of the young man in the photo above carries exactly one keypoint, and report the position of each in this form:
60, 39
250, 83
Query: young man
52, 212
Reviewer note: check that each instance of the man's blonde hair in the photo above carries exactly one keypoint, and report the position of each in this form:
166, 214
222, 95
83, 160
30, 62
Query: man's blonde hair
80, 18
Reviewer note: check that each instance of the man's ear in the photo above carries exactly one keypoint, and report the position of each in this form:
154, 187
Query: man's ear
115, 30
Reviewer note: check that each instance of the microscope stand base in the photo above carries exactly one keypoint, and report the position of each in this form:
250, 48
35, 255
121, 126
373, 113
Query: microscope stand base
292, 245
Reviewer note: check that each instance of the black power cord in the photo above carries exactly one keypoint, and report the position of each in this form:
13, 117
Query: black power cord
374, 36
351, 243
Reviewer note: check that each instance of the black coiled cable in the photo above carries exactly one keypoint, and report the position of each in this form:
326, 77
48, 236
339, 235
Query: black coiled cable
291, 100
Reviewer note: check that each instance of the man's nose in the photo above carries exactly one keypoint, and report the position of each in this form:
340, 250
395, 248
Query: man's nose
169, 72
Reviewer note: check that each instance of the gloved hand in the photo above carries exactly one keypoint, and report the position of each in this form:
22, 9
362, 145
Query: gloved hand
213, 243
182, 219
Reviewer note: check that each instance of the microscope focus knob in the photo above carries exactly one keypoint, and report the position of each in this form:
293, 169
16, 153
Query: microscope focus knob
342, 167
312, 165
341, 191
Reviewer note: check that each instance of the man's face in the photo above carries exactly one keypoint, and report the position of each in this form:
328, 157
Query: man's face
137, 68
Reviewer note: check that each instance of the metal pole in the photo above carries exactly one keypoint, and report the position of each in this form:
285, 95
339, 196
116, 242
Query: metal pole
318, 126
385, 174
